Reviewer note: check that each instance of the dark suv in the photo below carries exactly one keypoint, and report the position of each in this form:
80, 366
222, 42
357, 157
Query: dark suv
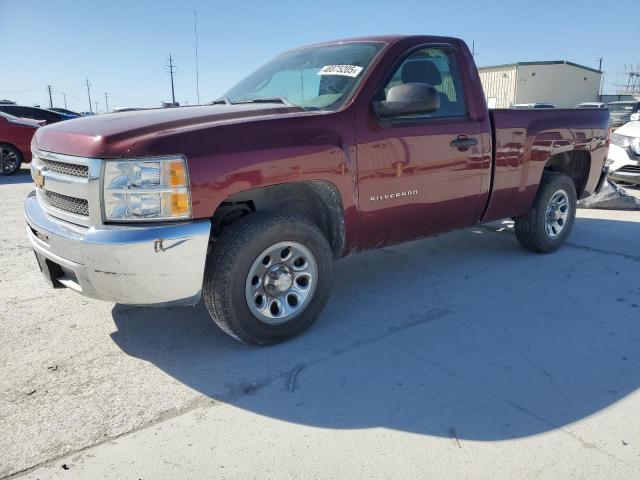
35, 113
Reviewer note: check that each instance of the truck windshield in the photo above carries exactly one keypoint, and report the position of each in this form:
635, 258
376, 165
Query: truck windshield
320, 77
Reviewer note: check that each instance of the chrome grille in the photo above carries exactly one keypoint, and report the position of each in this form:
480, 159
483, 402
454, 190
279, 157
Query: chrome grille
630, 169
71, 169
68, 186
77, 206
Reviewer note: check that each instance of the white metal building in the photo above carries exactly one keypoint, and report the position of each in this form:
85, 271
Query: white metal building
562, 83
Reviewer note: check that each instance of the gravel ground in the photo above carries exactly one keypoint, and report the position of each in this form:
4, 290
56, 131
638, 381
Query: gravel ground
461, 356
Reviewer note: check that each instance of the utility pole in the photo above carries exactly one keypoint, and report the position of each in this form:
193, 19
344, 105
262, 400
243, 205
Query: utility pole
50, 99
64, 96
601, 78
106, 100
96, 104
195, 32
89, 94
171, 67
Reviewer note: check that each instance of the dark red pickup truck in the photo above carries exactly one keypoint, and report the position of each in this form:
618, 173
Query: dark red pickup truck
324, 151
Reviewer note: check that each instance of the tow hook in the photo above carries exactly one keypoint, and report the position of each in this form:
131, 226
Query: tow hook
158, 246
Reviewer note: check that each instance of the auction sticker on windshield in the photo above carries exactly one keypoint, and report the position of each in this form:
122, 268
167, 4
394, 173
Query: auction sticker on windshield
345, 70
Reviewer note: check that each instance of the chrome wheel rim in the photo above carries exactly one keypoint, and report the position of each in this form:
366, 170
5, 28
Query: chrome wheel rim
8, 161
281, 282
557, 214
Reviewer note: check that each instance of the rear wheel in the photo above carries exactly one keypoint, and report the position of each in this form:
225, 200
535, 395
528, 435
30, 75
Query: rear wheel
268, 277
549, 222
10, 159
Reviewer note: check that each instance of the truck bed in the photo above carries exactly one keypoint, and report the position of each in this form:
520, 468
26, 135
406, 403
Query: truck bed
525, 140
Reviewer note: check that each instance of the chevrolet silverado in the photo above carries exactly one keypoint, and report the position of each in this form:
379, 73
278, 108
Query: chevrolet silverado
324, 151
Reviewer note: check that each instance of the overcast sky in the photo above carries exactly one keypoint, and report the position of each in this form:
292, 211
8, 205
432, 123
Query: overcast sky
122, 46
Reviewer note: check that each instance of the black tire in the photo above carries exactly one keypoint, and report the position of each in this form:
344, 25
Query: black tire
530, 228
10, 159
228, 265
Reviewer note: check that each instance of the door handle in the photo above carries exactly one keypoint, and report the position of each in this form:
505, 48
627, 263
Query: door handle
464, 142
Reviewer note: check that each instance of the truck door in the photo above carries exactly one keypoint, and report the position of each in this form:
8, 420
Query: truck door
422, 174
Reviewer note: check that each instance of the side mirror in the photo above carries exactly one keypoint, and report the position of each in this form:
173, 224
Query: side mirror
409, 99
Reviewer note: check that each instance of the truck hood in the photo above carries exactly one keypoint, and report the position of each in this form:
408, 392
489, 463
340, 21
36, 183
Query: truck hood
112, 135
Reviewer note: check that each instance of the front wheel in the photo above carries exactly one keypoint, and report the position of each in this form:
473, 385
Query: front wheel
268, 277
549, 222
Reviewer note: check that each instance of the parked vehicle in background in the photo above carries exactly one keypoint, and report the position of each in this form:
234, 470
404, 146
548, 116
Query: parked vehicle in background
622, 111
324, 151
591, 105
65, 111
35, 113
15, 142
126, 109
624, 154
526, 106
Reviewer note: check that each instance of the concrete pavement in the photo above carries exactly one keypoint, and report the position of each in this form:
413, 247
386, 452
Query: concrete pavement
461, 356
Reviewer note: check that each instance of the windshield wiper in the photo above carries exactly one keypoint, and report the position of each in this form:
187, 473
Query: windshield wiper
222, 101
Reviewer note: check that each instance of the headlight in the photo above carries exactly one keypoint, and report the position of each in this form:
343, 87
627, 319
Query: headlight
620, 140
626, 142
151, 189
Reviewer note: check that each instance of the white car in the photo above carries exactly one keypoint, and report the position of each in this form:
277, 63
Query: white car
624, 154
596, 105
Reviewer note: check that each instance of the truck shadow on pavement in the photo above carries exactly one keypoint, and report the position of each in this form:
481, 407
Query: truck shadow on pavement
464, 335
21, 176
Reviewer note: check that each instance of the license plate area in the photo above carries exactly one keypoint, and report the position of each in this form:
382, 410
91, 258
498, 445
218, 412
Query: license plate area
51, 271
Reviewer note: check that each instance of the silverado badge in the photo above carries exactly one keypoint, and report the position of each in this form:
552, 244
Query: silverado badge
387, 196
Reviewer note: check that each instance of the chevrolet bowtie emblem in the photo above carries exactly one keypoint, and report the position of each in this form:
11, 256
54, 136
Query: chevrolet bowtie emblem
38, 179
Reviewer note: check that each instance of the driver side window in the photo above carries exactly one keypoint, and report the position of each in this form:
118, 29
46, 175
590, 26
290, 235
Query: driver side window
436, 67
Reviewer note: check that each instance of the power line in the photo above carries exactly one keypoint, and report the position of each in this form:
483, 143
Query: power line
71, 97
171, 66
19, 91
79, 96
89, 94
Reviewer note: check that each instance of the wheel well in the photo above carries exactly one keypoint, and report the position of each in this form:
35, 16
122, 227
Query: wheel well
7, 144
317, 200
576, 164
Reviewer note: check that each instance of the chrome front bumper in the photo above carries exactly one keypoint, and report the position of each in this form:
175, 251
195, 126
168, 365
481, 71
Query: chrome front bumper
623, 176
138, 265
